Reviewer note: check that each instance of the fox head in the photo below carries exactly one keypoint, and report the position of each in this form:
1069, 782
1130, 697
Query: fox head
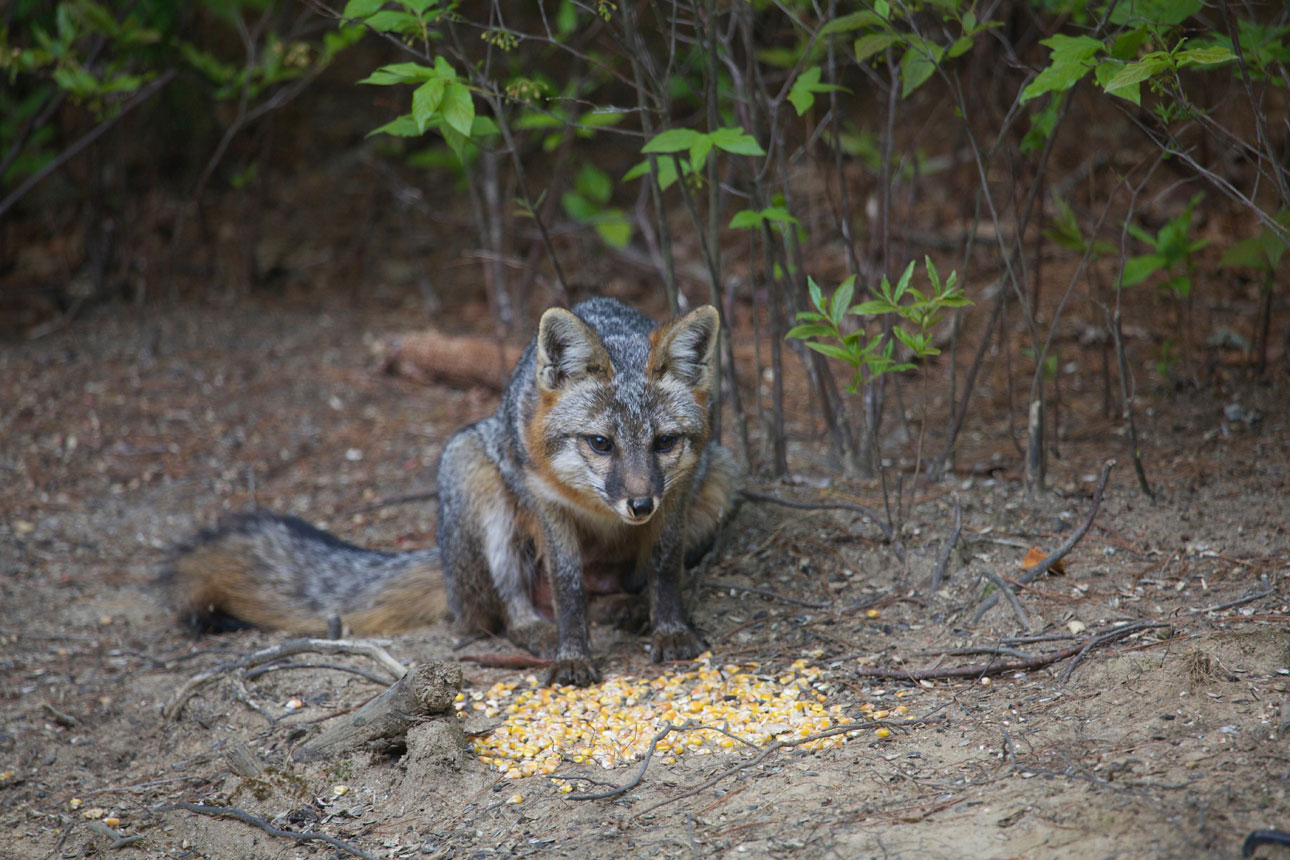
622, 414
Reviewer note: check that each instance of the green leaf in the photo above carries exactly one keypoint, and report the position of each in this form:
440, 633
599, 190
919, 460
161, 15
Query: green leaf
536, 120
849, 22
961, 46
817, 295
456, 141
483, 127
388, 21
872, 43
1105, 72
873, 308
1206, 56
594, 182
736, 141
801, 96
907, 339
1041, 127
614, 228
1247, 253
601, 118
426, 100
1156, 13
361, 8
699, 151
666, 172
831, 350
671, 140
458, 108
399, 73
404, 126
1138, 269
800, 332
746, 218
1143, 236
807, 84
1136, 73
903, 283
779, 215
1126, 45
1070, 60
918, 64
579, 208
841, 300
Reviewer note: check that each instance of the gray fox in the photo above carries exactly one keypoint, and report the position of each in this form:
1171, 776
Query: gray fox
594, 477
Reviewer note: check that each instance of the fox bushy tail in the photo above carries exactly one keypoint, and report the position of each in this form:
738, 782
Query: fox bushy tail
280, 573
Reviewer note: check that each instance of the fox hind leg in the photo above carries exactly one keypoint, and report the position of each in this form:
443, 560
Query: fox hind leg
487, 563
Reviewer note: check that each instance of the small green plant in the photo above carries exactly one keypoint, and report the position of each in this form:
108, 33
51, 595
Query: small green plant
1167, 358
588, 203
1263, 253
822, 328
1173, 250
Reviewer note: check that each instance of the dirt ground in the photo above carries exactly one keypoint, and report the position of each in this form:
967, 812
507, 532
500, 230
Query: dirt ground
129, 429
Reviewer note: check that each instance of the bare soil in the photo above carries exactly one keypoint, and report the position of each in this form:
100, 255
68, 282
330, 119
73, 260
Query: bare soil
128, 429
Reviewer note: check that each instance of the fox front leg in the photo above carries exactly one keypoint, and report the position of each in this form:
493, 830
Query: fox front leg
572, 663
674, 638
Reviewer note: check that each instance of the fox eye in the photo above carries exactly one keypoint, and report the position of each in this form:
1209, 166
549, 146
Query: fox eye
665, 442
600, 444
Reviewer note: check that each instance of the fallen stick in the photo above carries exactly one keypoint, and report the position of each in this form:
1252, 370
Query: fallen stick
939, 573
873, 515
427, 690
1058, 554
461, 360
246, 817
1004, 667
289, 648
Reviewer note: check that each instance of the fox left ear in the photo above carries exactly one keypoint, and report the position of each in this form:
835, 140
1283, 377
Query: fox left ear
567, 349
687, 347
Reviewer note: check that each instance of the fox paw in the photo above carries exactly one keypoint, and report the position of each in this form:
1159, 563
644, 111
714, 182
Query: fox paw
675, 643
538, 638
576, 671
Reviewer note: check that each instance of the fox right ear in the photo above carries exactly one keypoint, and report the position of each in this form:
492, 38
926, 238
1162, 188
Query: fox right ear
567, 349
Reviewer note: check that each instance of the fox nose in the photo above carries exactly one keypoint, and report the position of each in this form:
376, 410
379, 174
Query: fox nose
640, 507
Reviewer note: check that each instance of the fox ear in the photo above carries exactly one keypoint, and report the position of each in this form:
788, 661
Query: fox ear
567, 349
687, 347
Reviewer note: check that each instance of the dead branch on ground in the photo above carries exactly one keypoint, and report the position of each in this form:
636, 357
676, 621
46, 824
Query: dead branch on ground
246, 817
359, 648
464, 361
422, 693
767, 593
873, 515
1005, 667
1058, 554
939, 573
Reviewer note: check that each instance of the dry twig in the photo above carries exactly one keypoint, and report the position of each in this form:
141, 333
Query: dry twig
995, 667
289, 648
939, 573
246, 817
873, 515
764, 592
426, 690
1058, 554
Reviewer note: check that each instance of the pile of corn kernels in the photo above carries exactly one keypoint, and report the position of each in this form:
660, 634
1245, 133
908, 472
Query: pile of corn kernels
612, 723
